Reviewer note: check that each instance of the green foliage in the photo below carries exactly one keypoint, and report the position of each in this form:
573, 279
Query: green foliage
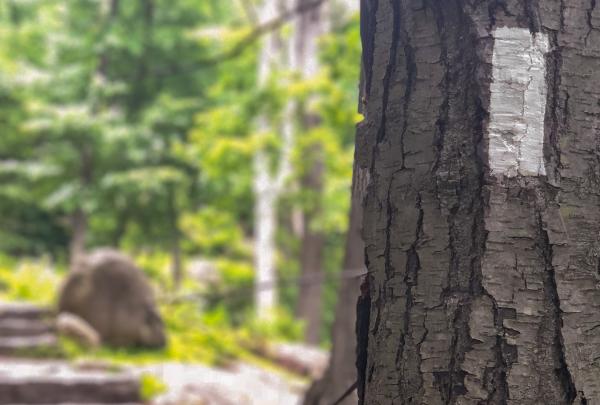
281, 327
230, 297
150, 387
213, 232
205, 334
115, 113
156, 265
34, 281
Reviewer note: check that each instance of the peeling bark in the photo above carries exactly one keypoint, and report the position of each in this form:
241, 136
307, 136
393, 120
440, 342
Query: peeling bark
485, 281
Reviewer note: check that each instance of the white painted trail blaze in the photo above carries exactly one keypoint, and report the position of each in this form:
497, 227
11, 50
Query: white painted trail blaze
517, 103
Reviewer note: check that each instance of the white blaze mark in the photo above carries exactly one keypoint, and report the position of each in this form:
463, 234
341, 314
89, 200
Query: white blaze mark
517, 103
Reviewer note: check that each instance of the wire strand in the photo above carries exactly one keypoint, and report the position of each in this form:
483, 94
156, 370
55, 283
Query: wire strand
305, 279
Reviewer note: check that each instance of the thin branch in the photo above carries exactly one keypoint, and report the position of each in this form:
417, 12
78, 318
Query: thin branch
249, 10
255, 34
310, 278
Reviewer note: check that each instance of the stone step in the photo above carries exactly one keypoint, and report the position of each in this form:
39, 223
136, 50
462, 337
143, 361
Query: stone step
31, 382
22, 310
11, 327
22, 345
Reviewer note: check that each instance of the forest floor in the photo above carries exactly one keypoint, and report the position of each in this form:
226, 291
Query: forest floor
55, 381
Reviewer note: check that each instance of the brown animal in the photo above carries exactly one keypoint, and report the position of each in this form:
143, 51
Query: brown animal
111, 293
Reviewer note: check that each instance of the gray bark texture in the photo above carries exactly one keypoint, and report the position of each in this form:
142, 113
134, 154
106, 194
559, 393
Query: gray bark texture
485, 287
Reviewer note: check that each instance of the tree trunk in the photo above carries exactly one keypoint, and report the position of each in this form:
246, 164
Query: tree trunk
310, 26
268, 186
481, 138
265, 222
120, 228
311, 255
79, 218
78, 235
175, 240
341, 371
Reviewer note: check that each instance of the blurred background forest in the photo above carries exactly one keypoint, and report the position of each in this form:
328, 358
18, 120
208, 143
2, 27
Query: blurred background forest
206, 139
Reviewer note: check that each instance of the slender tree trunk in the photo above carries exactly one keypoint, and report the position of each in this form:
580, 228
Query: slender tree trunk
311, 255
341, 371
265, 223
79, 220
481, 219
268, 186
175, 240
310, 27
120, 228
78, 236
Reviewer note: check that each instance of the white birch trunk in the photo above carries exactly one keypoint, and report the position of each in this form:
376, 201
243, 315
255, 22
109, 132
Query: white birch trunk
267, 185
265, 223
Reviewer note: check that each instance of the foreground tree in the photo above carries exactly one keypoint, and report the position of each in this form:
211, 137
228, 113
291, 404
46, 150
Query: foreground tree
481, 218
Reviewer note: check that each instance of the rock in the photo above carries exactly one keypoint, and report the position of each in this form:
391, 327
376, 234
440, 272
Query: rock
75, 327
23, 327
112, 294
298, 358
239, 384
52, 382
23, 310
25, 330
24, 346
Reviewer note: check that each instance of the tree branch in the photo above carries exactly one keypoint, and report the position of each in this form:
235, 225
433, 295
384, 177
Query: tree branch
258, 31
249, 10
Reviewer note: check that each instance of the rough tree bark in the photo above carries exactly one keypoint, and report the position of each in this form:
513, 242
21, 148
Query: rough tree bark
310, 26
482, 220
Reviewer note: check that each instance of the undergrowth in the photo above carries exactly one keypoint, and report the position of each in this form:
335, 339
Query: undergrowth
199, 329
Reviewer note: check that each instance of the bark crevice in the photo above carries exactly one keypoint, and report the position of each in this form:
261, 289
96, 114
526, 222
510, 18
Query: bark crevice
411, 278
553, 159
443, 114
368, 10
389, 71
531, 16
553, 299
589, 21
411, 74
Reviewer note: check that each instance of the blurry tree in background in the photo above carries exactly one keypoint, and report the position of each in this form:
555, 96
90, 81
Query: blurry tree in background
228, 147
103, 110
311, 25
269, 182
